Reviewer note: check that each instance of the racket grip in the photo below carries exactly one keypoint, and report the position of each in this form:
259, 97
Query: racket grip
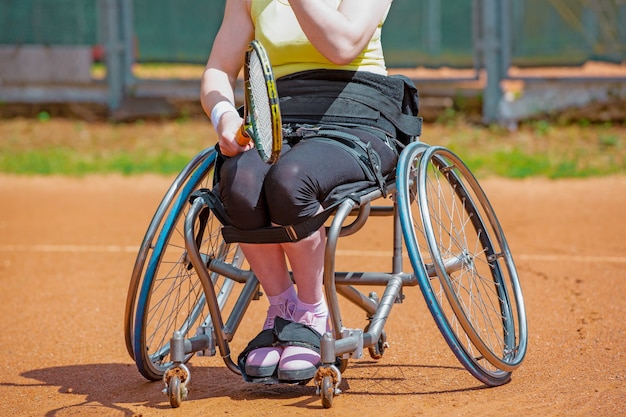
242, 137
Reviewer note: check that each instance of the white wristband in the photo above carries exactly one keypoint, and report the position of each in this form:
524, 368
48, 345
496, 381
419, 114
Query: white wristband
218, 111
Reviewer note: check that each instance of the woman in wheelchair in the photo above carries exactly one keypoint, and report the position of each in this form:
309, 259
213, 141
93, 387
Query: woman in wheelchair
328, 59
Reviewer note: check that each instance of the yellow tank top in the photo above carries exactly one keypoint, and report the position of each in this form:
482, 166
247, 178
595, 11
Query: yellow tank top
289, 50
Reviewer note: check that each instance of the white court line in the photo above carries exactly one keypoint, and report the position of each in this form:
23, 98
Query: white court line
520, 257
69, 248
571, 258
359, 253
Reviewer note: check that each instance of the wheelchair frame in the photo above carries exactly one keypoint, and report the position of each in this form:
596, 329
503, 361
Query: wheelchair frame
473, 292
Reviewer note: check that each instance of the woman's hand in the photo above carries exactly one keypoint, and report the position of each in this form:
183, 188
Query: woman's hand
228, 127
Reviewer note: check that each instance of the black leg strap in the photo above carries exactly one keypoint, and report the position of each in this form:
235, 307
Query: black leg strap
270, 234
284, 333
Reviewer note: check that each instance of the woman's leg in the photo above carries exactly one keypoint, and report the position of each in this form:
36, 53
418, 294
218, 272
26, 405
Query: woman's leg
241, 191
306, 258
269, 265
295, 188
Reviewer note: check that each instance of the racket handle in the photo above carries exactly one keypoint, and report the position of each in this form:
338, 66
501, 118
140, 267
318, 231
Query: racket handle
242, 137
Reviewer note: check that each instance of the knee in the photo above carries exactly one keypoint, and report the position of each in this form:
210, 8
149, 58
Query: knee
240, 190
284, 183
291, 194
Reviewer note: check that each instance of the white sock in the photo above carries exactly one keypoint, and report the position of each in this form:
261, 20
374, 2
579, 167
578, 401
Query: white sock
288, 294
319, 307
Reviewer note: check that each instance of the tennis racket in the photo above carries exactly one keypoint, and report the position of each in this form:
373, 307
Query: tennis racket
261, 121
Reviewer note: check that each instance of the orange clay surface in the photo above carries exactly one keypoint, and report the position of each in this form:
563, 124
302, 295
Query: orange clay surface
67, 247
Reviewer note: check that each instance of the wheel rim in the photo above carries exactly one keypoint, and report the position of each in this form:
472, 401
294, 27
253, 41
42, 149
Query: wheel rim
418, 252
472, 258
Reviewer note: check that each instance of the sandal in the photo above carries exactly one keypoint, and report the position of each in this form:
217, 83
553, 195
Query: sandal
300, 362
261, 362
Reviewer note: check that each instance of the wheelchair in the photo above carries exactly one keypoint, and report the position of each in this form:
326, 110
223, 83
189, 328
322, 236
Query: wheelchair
190, 289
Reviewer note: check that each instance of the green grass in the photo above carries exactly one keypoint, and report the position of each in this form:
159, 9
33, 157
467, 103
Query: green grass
65, 161
46, 146
536, 149
53, 146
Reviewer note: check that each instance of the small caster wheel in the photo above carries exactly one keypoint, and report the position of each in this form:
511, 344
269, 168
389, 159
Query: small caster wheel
377, 351
174, 392
176, 379
327, 391
327, 380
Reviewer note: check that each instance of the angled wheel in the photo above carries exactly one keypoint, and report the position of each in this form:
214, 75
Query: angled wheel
169, 294
201, 161
462, 260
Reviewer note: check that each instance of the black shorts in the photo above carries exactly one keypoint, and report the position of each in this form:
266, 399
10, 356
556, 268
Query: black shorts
256, 194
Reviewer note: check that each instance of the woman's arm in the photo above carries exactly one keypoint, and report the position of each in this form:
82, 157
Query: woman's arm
222, 69
339, 34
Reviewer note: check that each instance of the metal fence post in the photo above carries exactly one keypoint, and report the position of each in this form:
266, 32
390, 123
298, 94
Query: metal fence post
109, 30
128, 40
493, 58
116, 32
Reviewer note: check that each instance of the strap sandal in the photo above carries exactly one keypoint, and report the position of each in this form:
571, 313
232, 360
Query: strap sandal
298, 364
261, 354
301, 354
260, 358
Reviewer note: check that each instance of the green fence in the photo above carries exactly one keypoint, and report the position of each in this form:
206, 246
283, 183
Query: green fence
430, 33
567, 32
48, 22
477, 34
176, 30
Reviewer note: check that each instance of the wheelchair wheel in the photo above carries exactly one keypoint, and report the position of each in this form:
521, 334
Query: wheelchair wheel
463, 263
147, 245
168, 294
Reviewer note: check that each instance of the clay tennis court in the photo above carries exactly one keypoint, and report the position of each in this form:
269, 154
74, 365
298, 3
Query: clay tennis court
67, 247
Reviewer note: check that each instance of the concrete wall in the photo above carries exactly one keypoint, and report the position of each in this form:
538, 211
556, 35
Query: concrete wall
41, 64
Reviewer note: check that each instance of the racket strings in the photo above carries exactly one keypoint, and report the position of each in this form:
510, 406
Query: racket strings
259, 100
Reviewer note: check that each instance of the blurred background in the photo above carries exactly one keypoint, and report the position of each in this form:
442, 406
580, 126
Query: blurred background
503, 61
